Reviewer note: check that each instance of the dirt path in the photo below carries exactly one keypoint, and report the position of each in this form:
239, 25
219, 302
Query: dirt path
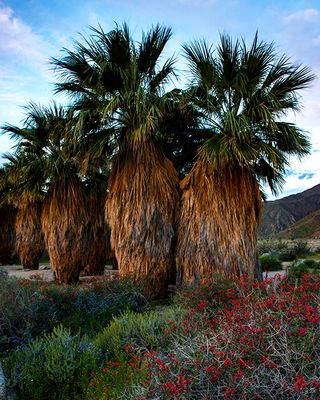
43, 273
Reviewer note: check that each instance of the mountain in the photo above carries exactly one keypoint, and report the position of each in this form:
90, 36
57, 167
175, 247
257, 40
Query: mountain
307, 228
278, 215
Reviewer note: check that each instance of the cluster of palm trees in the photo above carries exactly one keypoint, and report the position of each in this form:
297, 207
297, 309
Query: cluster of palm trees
166, 180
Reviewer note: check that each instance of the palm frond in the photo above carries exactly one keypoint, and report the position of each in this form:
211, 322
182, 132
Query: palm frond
151, 48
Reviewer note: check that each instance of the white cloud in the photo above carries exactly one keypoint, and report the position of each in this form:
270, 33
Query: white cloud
17, 38
307, 15
303, 175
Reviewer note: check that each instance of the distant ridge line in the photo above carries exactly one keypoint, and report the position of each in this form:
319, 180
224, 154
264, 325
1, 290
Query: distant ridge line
281, 214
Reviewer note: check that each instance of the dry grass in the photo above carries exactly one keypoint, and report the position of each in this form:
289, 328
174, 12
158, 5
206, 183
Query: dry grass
217, 224
29, 235
7, 233
65, 219
143, 194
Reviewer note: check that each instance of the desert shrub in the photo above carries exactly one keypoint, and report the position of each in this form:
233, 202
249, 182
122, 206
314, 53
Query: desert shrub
272, 247
141, 332
311, 263
207, 296
18, 312
264, 246
287, 255
86, 309
114, 379
123, 344
301, 248
261, 344
29, 309
284, 250
270, 263
56, 367
304, 267
294, 250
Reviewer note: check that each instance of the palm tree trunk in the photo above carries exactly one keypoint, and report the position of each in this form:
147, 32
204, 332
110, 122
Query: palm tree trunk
217, 224
98, 234
143, 195
29, 235
7, 233
64, 222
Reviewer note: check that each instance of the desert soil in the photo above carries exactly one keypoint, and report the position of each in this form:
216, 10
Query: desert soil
43, 273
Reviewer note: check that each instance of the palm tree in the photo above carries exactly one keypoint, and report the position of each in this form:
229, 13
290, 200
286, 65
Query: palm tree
242, 94
127, 83
98, 232
46, 162
7, 222
27, 198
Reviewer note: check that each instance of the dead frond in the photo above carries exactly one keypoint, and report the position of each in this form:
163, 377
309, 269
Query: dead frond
29, 235
140, 209
7, 232
217, 224
65, 219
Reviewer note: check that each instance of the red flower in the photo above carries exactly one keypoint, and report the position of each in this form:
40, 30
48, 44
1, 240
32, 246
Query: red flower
229, 393
300, 383
238, 375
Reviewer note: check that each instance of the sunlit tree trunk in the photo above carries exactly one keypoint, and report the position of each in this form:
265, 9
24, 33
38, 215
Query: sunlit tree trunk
141, 205
65, 221
217, 224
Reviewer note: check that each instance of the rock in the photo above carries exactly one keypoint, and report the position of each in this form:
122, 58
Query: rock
44, 267
286, 265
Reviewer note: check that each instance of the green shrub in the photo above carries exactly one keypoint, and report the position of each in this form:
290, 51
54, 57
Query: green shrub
301, 248
259, 345
270, 263
56, 367
284, 250
88, 309
272, 246
30, 309
294, 250
304, 267
18, 312
141, 331
115, 379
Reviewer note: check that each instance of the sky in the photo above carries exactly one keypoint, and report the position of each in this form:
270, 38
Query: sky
33, 31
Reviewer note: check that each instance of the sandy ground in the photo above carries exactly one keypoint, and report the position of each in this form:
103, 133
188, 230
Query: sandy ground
43, 273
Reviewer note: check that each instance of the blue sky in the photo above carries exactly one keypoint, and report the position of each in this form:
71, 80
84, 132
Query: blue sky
32, 31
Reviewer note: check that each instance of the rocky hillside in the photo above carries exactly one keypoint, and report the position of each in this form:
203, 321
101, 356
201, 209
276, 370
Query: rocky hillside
281, 214
307, 228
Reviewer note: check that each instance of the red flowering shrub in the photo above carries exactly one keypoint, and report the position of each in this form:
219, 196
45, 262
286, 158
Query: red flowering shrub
250, 341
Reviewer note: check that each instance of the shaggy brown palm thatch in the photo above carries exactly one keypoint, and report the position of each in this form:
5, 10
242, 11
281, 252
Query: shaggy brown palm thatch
143, 195
99, 250
217, 224
7, 233
29, 235
64, 222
